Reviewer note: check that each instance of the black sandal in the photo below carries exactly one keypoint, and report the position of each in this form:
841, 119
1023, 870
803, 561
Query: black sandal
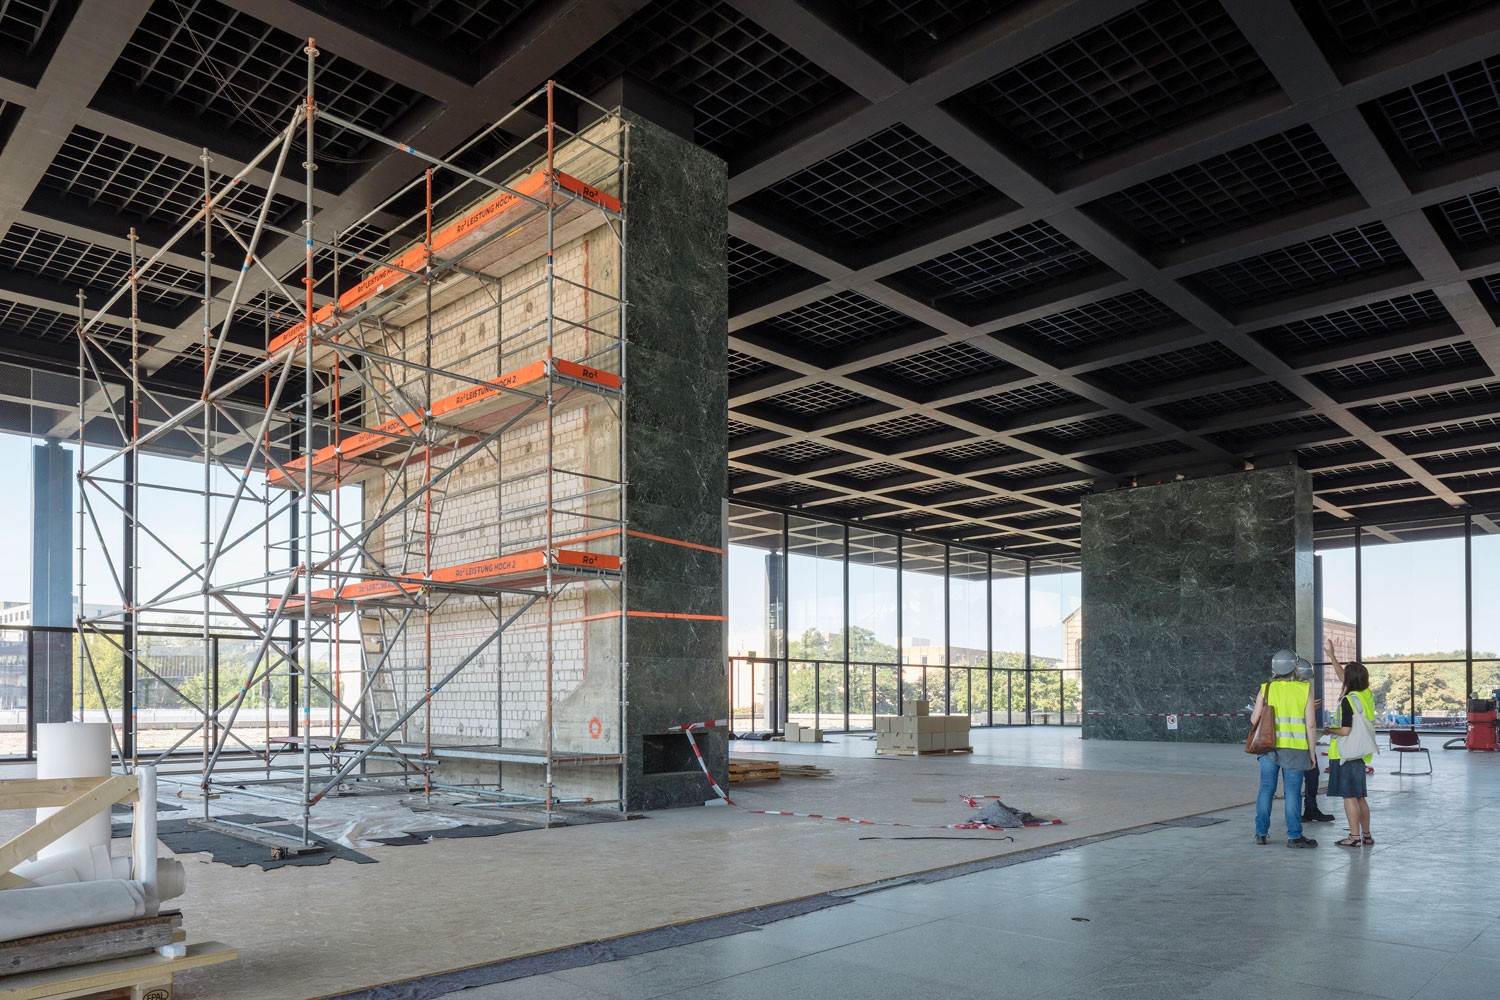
1347, 842
1369, 840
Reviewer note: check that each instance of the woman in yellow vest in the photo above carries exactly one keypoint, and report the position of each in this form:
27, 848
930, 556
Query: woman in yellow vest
1347, 777
1291, 700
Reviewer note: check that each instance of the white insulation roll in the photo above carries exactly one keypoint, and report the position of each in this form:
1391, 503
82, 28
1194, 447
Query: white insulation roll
96, 863
74, 750
43, 910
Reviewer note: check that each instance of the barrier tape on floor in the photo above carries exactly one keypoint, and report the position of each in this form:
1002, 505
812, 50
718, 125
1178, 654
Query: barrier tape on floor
1180, 715
687, 731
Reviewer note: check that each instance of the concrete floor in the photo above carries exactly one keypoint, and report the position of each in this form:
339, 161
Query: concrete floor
1181, 912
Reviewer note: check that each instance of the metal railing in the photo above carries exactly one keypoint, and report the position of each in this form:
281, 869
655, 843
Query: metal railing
837, 696
1430, 694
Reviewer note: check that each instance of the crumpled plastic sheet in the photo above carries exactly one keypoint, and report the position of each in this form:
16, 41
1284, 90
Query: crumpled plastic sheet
45, 909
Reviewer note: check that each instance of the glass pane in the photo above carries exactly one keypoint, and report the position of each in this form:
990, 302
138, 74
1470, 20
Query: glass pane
872, 597
1008, 638
801, 704
757, 617
1336, 553
815, 590
1056, 635
14, 693
1486, 566
924, 637
887, 690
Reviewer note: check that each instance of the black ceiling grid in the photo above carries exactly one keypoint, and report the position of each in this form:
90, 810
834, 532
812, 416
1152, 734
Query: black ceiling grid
985, 254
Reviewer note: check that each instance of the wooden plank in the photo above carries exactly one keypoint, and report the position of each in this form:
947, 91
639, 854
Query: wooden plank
87, 944
69, 817
83, 980
894, 752
45, 793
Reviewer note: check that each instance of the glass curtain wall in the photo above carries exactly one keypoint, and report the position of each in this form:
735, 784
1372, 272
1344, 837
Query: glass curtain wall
1411, 600
832, 624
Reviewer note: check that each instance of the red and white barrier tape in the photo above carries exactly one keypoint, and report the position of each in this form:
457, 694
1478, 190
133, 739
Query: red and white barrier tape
687, 731
1180, 715
715, 724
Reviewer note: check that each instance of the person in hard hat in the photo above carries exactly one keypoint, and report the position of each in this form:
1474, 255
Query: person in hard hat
1310, 811
1346, 778
1292, 702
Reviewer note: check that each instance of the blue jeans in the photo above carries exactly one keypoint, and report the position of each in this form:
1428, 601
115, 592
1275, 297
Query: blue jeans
1292, 779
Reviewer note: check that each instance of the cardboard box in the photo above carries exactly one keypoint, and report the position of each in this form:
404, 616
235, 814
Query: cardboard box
958, 740
806, 734
792, 732
956, 723
917, 706
929, 724
930, 741
883, 724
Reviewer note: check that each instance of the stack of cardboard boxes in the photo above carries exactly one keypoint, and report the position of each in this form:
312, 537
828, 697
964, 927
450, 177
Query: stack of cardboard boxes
797, 733
915, 731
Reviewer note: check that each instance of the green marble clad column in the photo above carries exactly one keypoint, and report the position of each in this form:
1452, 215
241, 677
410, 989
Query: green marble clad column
1188, 588
676, 453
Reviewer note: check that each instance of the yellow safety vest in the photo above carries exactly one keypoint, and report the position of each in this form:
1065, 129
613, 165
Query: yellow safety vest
1366, 702
1288, 699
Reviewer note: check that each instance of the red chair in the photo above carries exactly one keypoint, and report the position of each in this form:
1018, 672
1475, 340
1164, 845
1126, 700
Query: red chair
1405, 741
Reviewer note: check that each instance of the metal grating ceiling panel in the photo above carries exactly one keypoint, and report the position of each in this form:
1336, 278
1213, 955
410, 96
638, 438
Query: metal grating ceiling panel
742, 365
893, 180
206, 59
1031, 398
816, 399
917, 26
25, 25
1326, 260
741, 81
1030, 472
843, 320
1030, 257
1243, 186
879, 470
467, 26
1443, 399
738, 428
1163, 64
942, 365
1267, 433
799, 452
751, 268
138, 182
1447, 117
75, 263
34, 323
1360, 26
913, 425
1429, 359
1111, 319
976, 451
1358, 323
1094, 427
1227, 401
1474, 219
1186, 362
1125, 458
1429, 438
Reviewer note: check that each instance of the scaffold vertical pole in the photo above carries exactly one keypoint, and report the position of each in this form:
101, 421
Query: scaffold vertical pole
308, 442
208, 502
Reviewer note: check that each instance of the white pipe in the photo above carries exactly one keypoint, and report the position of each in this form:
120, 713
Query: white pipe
46, 909
74, 750
143, 836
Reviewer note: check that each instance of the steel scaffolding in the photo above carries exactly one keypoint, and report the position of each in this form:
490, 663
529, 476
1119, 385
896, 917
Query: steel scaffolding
437, 469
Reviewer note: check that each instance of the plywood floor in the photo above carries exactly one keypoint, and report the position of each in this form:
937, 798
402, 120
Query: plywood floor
308, 932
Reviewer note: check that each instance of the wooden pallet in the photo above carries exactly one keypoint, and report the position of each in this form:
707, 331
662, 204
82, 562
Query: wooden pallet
753, 770
921, 753
804, 771
143, 977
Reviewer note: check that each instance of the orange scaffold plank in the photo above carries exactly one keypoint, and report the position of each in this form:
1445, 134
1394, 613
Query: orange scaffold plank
516, 570
506, 209
478, 408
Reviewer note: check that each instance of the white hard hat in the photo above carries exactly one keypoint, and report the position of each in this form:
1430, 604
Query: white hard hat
1283, 662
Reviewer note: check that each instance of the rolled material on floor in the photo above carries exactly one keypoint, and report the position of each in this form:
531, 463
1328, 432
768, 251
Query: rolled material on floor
74, 750
93, 864
45, 909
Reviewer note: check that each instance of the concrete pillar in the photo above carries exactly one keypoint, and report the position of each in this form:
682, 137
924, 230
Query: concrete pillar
677, 398
52, 563
1188, 588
